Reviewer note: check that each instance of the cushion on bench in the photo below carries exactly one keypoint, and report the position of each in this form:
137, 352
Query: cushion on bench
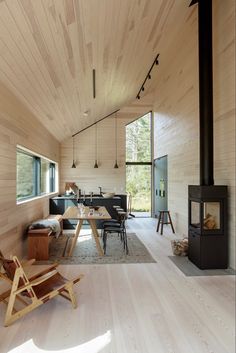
54, 222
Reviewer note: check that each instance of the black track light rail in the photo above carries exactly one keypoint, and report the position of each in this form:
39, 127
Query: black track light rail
96, 122
148, 76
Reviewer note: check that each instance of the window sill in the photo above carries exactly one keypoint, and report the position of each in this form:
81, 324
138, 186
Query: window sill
35, 198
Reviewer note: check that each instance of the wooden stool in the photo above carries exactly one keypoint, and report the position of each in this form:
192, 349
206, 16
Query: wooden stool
161, 221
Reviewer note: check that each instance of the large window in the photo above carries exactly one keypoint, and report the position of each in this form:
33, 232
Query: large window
35, 175
139, 165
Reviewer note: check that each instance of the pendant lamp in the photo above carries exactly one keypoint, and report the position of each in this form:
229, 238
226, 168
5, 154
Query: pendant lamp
73, 164
116, 164
96, 147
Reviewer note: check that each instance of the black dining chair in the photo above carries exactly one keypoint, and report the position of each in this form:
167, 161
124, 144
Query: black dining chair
116, 227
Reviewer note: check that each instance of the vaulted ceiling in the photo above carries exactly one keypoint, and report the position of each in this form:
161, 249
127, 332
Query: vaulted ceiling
49, 48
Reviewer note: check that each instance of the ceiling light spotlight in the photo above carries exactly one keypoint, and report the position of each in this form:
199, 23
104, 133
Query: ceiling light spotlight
86, 113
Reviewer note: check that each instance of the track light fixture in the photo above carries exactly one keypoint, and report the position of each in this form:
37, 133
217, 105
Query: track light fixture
73, 164
148, 77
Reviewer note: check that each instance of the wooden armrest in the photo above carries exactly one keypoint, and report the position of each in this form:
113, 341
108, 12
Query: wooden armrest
36, 281
26, 263
77, 279
37, 271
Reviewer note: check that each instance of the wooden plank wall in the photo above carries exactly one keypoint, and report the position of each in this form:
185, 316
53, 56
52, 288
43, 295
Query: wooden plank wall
19, 126
85, 175
176, 113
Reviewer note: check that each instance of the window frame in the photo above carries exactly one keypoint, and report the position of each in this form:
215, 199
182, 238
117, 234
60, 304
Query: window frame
150, 162
151, 152
37, 175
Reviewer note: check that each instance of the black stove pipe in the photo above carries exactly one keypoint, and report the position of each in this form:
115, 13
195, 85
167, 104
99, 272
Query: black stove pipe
205, 91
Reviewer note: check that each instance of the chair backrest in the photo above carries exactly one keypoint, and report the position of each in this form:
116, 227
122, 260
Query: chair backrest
122, 217
9, 267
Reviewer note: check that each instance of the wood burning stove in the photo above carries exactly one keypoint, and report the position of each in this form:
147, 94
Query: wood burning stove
208, 245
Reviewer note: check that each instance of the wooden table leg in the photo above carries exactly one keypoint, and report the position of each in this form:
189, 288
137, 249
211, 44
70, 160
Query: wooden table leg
96, 236
77, 231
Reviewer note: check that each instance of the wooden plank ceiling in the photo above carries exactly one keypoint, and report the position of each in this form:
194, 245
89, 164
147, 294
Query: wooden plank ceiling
48, 49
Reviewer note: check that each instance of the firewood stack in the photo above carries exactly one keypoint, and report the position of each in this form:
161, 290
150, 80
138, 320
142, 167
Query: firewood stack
180, 247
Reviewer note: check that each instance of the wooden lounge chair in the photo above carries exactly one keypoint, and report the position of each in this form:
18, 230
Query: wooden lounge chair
32, 288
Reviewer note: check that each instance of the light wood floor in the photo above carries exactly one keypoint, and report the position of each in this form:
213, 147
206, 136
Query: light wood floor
133, 308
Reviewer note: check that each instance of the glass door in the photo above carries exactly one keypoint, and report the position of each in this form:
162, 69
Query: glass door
160, 185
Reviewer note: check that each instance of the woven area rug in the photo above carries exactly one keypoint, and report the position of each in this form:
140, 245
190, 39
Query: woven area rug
85, 251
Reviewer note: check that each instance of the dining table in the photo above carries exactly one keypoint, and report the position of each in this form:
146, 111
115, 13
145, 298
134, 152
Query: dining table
91, 215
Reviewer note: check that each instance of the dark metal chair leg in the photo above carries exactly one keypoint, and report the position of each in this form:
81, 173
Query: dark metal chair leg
162, 221
171, 222
125, 242
104, 241
158, 224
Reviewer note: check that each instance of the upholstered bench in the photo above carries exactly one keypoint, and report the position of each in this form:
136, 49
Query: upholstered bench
39, 240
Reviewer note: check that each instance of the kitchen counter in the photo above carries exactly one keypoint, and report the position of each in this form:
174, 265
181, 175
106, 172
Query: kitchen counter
59, 204
87, 197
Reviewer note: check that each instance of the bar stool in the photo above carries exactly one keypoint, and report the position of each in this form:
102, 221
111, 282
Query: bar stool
161, 220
